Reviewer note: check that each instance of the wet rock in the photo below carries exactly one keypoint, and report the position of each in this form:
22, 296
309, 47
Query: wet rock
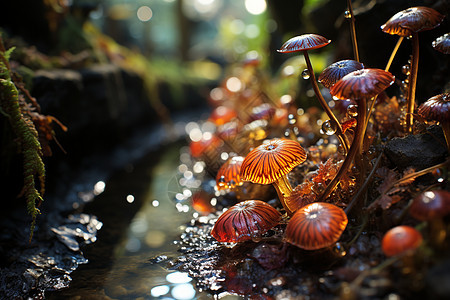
419, 151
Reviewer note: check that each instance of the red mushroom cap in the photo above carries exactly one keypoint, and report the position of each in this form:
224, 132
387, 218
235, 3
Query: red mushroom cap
430, 204
244, 221
362, 84
316, 225
228, 175
437, 108
331, 74
413, 19
271, 160
400, 239
304, 42
442, 43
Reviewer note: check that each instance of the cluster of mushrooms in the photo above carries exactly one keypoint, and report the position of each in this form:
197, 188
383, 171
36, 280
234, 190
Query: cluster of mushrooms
250, 128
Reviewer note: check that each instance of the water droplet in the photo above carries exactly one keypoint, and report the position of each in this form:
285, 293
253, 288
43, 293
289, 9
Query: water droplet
306, 74
352, 110
287, 132
404, 85
329, 128
405, 69
347, 14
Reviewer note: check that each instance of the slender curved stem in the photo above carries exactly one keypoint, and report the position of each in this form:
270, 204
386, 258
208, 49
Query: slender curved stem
364, 186
446, 128
324, 104
284, 189
412, 82
394, 52
353, 30
354, 149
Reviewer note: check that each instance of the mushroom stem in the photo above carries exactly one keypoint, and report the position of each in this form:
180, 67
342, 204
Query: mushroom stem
353, 30
354, 150
284, 190
412, 82
324, 104
394, 52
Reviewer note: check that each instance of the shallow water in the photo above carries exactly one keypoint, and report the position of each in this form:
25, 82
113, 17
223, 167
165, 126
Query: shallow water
141, 222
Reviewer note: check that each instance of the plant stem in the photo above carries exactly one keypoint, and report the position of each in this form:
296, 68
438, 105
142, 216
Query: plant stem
446, 128
354, 149
364, 186
284, 190
323, 103
412, 82
394, 52
353, 30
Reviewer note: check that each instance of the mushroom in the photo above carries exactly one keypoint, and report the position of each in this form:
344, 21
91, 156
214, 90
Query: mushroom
270, 162
406, 23
360, 86
437, 108
331, 74
304, 43
244, 221
400, 240
316, 226
432, 206
228, 176
442, 43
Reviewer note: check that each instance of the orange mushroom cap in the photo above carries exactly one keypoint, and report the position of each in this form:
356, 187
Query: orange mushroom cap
331, 74
442, 43
430, 205
362, 84
272, 160
400, 239
437, 108
244, 221
304, 42
316, 225
228, 175
413, 19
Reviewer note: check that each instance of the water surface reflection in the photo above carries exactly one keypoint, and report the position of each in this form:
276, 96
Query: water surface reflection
141, 221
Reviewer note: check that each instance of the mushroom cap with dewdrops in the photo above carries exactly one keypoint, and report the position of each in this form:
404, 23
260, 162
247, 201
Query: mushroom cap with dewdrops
413, 19
437, 108
316, 226
334, 72
304, 42
228, 175
244, 221
362, 84
270, 161
442, 43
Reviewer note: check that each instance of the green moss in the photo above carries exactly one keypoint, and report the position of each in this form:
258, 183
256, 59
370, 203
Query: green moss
25, 136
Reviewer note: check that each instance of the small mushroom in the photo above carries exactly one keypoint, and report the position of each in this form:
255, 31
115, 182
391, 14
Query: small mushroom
228, 176
244, 221
410, 22
270, 162
400, 240
432, 206
316, 226
437, 108
334, 72
360, 86
442, 43
303, 43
